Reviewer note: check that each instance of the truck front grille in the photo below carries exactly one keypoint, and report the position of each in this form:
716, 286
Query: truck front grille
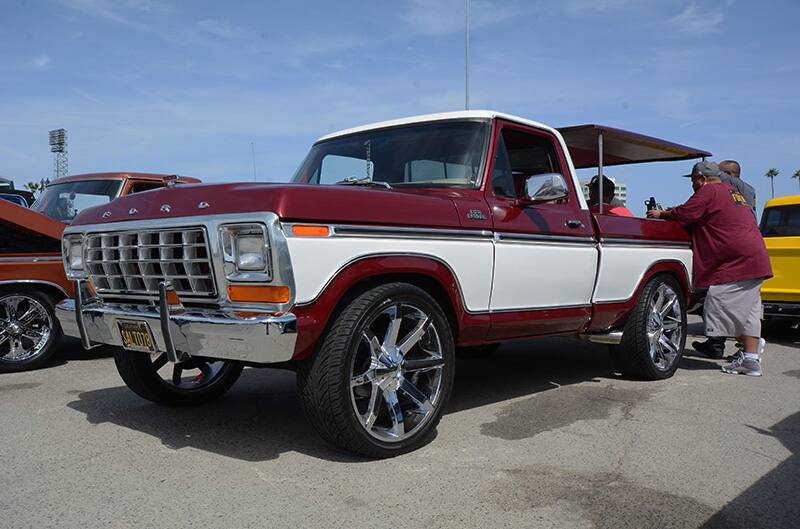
132, 263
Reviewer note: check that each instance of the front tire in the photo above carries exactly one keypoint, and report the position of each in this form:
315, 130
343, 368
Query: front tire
29, 330
195, 381
654, 336
381, 379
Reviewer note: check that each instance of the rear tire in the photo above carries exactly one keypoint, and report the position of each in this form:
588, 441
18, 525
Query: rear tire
153, 378
382, 376
654, 336
29, 329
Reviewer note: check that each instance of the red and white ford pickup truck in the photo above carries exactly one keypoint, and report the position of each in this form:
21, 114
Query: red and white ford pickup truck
394, 244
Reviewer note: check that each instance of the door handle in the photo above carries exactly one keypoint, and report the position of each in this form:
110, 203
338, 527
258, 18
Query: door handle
574, 224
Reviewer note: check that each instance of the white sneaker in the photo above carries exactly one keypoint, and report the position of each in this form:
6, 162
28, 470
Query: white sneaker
762, 344
744, 364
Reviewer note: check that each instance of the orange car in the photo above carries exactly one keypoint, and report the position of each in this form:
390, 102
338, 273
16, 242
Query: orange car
32, 276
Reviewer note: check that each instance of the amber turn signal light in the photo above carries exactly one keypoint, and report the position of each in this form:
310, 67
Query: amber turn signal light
310, 230
258, 293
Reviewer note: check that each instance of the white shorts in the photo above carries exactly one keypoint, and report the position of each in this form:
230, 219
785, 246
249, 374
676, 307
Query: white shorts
733, 309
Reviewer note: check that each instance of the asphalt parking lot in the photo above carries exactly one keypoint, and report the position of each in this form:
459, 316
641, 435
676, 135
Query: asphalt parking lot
543, 434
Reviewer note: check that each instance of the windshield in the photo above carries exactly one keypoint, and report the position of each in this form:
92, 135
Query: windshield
447, 153
781, 221
16, 199
64, 201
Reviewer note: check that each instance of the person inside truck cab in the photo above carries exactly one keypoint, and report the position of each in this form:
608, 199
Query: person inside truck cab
611, 205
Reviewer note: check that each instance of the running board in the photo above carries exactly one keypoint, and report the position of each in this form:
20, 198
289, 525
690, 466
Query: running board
609, 338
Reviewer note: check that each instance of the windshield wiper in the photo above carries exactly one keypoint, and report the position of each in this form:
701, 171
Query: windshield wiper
363, 181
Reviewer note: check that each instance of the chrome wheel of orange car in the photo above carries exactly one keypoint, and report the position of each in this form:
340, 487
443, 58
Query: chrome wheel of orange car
28, 330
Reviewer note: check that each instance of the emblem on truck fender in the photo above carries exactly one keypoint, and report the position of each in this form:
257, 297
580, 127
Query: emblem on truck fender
165, 208
133, 211
476, 214
106, 214
202, 205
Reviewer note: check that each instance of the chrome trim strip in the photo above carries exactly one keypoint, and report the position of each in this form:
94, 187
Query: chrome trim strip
532, 238
346, 230
35, 282
545, 307
29, 259
436, 233
611, 241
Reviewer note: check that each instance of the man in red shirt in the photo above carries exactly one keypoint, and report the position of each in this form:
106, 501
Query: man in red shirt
730, 260
611, 205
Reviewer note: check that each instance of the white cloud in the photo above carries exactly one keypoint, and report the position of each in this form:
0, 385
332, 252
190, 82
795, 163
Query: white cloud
220, 28
40, 62
697, 22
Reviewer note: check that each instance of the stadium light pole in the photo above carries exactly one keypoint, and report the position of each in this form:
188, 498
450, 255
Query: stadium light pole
58, 146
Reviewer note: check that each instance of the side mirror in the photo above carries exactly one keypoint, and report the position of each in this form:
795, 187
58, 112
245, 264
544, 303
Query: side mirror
547, 187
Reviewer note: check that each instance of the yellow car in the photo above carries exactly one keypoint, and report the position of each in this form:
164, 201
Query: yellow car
780, 226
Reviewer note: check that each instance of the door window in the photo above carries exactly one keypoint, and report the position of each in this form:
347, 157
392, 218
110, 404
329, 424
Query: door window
520, 155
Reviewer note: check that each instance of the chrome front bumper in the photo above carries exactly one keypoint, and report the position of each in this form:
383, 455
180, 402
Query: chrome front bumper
255, 337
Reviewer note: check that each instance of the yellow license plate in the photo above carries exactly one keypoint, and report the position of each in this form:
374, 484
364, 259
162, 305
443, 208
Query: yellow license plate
136, 336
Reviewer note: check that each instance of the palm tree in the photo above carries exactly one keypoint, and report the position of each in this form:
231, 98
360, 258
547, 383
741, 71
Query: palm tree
33, 187
797, 175
771, 174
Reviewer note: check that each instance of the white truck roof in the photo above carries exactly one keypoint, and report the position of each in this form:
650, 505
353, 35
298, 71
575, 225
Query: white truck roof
461, 114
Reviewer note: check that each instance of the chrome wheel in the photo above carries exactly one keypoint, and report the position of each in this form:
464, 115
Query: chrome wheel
194, 374
664, 327
26, 327
396, 373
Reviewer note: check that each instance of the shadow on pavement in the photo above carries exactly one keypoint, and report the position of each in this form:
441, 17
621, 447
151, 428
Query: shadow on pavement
774, 500
71, 350
260, 418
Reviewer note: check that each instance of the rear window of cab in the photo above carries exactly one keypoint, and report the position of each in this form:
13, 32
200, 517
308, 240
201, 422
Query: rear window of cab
781, 221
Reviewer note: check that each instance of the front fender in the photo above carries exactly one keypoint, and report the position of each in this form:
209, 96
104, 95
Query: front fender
428, 272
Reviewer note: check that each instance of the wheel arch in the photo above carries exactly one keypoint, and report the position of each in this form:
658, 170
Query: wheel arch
424, 271
57, 292
612, 315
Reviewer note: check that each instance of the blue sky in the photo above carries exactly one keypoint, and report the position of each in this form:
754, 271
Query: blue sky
178, 86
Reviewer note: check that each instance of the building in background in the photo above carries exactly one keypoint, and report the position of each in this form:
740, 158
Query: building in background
620, 190
6, 183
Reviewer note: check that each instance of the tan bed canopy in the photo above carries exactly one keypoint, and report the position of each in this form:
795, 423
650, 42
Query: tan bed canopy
620, 147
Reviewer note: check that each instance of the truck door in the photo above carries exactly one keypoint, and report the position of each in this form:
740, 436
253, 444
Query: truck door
545, 254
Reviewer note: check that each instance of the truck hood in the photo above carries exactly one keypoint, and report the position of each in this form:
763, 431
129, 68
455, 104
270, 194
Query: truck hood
291, 202
28, 221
